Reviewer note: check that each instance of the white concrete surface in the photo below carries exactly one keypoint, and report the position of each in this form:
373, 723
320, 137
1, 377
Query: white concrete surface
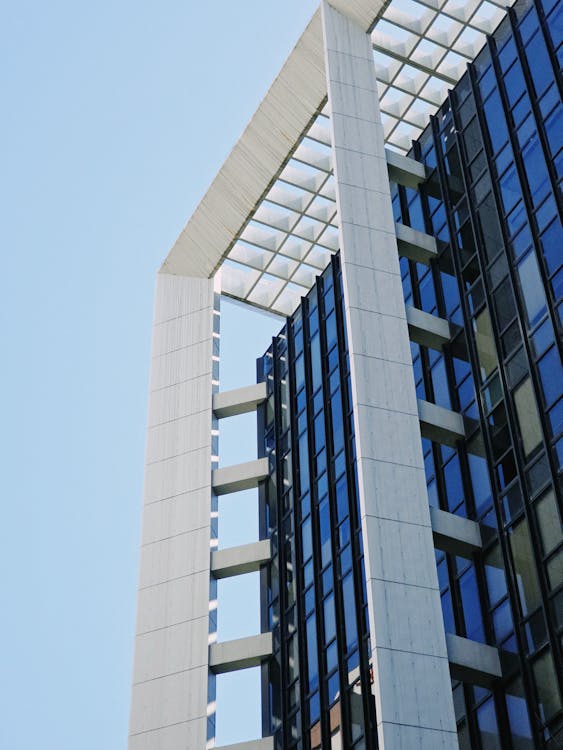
428, 330
411, 674
473, 662
239, 400
440, 425
240, 477
246, 558
404, 171
242, 653
170, 691
415, 245
455, 534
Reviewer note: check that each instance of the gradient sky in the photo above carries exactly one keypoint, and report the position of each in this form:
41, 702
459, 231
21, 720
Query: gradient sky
115, 118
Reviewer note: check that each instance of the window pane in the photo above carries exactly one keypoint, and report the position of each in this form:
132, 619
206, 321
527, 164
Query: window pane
329, 618
313, 668
324, 524
524, 567
480, 480
440, 385
533, 294
496, 579
528, 417
510, 190
471, 606
485, 344
454, 485
548, 521
349, 611
551, 374
488, 727
518, 715
546, 685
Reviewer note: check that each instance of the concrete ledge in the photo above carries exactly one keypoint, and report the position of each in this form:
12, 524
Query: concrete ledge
454, 534
242, 653
440, 425
473, 662
404, 171
240, 476
239, 400
426, 329
415, 245
235, 561
266, 743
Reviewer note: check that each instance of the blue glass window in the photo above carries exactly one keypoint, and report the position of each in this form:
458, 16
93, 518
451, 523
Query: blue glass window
331, 334
416, 217
447, 612
453, 483
507, 54
319, 433
518, 714
551, 374
329, 618
502, 621
514, 83
540, 64
533, 294
324, 523
350, 611
316, 361
427, 294
496, 122
510, 189
440, 385
480, 482
306, 539
536, 171
552, 242
313, 664
488, 726
471, 606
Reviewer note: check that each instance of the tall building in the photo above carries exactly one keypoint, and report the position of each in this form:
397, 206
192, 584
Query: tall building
396, 200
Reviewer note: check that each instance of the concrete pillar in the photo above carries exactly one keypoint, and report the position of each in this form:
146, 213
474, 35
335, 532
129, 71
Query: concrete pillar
411, 674
170, 682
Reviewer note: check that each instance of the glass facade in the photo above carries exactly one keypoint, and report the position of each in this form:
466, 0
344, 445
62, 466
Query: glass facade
317, 690
493, 200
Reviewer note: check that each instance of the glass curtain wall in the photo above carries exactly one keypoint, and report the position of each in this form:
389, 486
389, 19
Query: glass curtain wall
317, 688
493, 201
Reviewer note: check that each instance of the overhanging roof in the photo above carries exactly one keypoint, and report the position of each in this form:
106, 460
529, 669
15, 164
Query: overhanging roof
269, 217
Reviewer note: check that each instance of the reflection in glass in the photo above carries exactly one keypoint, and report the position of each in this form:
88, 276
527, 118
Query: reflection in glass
485, 344
528, 417
524, 567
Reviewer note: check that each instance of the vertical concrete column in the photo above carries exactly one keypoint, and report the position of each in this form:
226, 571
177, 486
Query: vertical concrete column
170, 681
412, 682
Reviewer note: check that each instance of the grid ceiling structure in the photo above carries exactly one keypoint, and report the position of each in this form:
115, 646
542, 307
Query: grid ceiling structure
421, 49
293, 231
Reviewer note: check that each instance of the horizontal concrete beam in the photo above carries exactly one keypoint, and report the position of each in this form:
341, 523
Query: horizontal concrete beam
240, 476
426, 329
266, 743
440, 425
415, 245
239, 401
235, 561
242, 653
473, 662
404, 171
454, 534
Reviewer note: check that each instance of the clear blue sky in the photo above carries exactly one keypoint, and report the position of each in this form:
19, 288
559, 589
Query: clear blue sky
115, 118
